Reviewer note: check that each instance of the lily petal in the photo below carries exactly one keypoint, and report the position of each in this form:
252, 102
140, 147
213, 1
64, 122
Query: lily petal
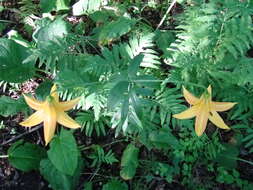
32, 102
201, 120
187, 114
65, 106
217, 120
222, 106
49, 123
191, 99
33, 120
54, 93
67, 121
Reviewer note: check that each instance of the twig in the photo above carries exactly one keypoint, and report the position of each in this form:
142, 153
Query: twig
94, 174
167, 12
21, 135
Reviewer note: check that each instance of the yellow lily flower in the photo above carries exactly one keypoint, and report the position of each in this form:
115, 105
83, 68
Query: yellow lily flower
50, 112
203, 109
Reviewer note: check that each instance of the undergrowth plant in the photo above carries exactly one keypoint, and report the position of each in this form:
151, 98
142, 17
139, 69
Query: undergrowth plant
126, 76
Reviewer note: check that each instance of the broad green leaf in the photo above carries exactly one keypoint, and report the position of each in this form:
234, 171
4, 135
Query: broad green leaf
124, 113
86, 7
134, 65
57, 179
25, 156
88, 186
117, 94
43, 90
51, 32
129, 162
163, 40
54, 5
63, 152
12, 65
163, 138
115, 185
62, 5
9, 106
102, 16
47, 5
115, 29
228, 157
71, 79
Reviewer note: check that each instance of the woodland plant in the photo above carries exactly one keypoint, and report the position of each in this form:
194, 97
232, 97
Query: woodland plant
123, 72
50, 111
204, 108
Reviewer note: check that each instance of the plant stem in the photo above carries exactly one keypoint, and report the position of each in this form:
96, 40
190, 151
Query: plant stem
88, 147
167, 12
21, 135
7, 21
4, 156
246, 161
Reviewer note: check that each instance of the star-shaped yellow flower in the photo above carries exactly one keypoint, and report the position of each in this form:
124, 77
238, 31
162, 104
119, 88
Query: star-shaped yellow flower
49, 112
203, 109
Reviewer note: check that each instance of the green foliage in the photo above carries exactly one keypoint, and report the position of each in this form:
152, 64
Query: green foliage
163, 139
99, 156
169, 100
43, 90
52, 41
89, 123
232, 177
129, 162
63, 153
115, 185
54, 5
13, 60
26, 156
82, 7
248, 140
57, 179
1, 8
28, 7
129, 79
114, 29
88, 186
212, 48
227, 157
9, 106
164, 170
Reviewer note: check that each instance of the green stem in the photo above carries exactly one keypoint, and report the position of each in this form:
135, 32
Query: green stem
89, 147
7, 21
4, 156
246, 161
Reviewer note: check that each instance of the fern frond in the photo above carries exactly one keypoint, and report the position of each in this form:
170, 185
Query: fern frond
169, 102
111, 61
236, 38
248, 140
99, 156
141, 44
89, 124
